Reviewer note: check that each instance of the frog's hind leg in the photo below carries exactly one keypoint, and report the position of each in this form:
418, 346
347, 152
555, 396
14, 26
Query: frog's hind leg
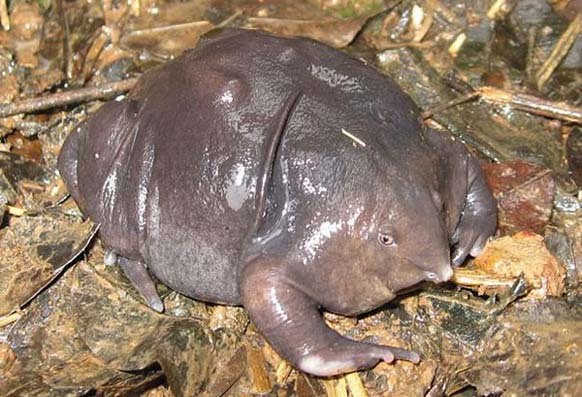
140, 278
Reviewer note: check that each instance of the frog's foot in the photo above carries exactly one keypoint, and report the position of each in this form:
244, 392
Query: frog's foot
292, 324
479, 219
363, 356
140, 278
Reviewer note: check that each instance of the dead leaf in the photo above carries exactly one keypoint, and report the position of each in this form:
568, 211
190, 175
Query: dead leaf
524, 253
166, 42
524, 194
336, 33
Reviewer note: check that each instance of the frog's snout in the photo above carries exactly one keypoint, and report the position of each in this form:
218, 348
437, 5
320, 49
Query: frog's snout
442, 275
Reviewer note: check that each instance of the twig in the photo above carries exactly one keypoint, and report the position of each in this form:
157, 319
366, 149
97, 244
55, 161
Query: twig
59, 99
495, 8
560, 51
407, 44
67, 60
355, 385
455, 47
525, 102
282, 373
529, 181
15, 211
444, 106
135, 7
531, 52
4, 17
169, 28
354, 138
9, 319
231, 18
532, 104
341, 387
97, 44
422, 21
329, 386
477, 278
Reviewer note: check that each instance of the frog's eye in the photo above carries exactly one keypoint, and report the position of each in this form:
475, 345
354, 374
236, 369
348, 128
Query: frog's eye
386, 239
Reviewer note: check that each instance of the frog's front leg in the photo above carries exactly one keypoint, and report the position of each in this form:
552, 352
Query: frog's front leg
479, 217
292, 324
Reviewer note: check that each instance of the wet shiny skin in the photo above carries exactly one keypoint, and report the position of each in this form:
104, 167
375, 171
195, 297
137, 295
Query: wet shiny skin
282, 175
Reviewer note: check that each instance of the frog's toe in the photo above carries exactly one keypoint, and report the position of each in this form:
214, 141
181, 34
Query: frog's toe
393, 353
110, 257
479, 245
461, 251
140, 278
471, 242
405, 355
465, 246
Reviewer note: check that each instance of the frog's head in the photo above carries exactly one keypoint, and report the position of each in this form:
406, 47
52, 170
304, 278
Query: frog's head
365, 230
407, 236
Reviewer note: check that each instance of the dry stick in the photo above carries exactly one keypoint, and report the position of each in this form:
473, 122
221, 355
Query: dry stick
525, 102
444, 106
67, 97
560, 51
409, 44
282, 372
4, 17
495, 8
135, 7
169, 28
355, 385
9, 319
329, 386
231, 18
476, 278
531, 52
534, 178
97, 43
341, 387
67, 50
423, 28
532, 104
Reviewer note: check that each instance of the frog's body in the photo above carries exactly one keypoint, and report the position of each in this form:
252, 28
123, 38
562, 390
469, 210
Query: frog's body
283, 175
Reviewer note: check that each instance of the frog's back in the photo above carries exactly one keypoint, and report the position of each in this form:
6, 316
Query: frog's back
195, 135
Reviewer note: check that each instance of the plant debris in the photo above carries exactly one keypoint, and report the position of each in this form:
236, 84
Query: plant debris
524, 254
